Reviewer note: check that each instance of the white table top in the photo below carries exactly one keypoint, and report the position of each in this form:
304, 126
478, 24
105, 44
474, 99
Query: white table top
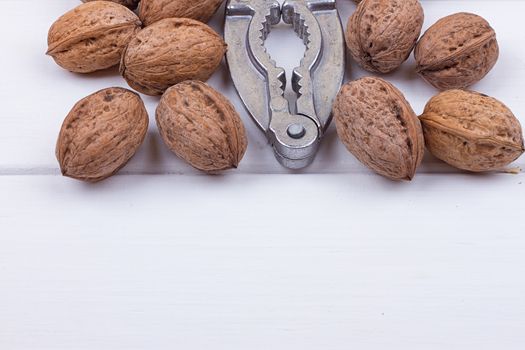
163, 257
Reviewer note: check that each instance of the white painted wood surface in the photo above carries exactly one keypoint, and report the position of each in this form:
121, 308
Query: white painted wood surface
161, 257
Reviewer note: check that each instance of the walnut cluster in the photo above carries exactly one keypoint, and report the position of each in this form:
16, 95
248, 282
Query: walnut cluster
166, 49
468, 130
454, 53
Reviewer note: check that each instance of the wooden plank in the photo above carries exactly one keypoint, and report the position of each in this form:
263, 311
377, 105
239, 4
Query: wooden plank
142, 262
37, 94
336, 259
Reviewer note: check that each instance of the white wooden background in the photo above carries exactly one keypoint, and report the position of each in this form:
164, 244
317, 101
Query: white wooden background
162, 257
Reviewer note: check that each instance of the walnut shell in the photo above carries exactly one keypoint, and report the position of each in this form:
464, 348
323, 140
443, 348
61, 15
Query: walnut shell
381, 34
378, 126
169, 52
151, 11
471, 131
201, 126
101, 133
92, 36
131, 4
457, 51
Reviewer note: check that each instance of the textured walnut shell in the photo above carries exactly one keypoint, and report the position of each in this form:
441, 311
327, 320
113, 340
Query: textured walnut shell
201, 126
101, 133
171, 51
471, 131
92, 36
131, 4
457, 51
379, 127
382, 33
151, 11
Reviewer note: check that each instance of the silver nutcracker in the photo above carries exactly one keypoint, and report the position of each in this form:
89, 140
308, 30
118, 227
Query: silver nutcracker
295, 134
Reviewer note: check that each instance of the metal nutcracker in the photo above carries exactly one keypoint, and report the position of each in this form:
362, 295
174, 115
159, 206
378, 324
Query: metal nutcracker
294, 134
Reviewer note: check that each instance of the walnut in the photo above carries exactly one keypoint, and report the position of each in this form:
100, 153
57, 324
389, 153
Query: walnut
169, 52
201, 126
92, 36
471, 131
457, 51
379, 127
101, 133
382, 33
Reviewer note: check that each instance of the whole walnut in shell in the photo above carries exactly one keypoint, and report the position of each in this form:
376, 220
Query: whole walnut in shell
201, 126
171, 51
92, 36
378, 126
457, 51
151, 11
382, 33
471, 131
131, 4
101, 133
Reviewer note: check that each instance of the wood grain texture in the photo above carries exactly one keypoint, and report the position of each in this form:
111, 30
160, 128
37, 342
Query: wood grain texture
176, 261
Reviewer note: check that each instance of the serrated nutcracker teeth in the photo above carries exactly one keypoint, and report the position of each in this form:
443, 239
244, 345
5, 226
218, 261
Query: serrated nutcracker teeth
261, 83
260, 54
308, 29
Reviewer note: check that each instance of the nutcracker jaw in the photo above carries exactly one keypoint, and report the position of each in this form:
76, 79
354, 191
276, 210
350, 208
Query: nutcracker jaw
295, 136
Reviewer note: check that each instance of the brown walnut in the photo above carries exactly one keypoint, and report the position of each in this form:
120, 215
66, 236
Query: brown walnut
151, 11
382, 33
171, 51
471, 131
378, 126
457, 51
101, 133
201, 126
92, 36
131, 4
